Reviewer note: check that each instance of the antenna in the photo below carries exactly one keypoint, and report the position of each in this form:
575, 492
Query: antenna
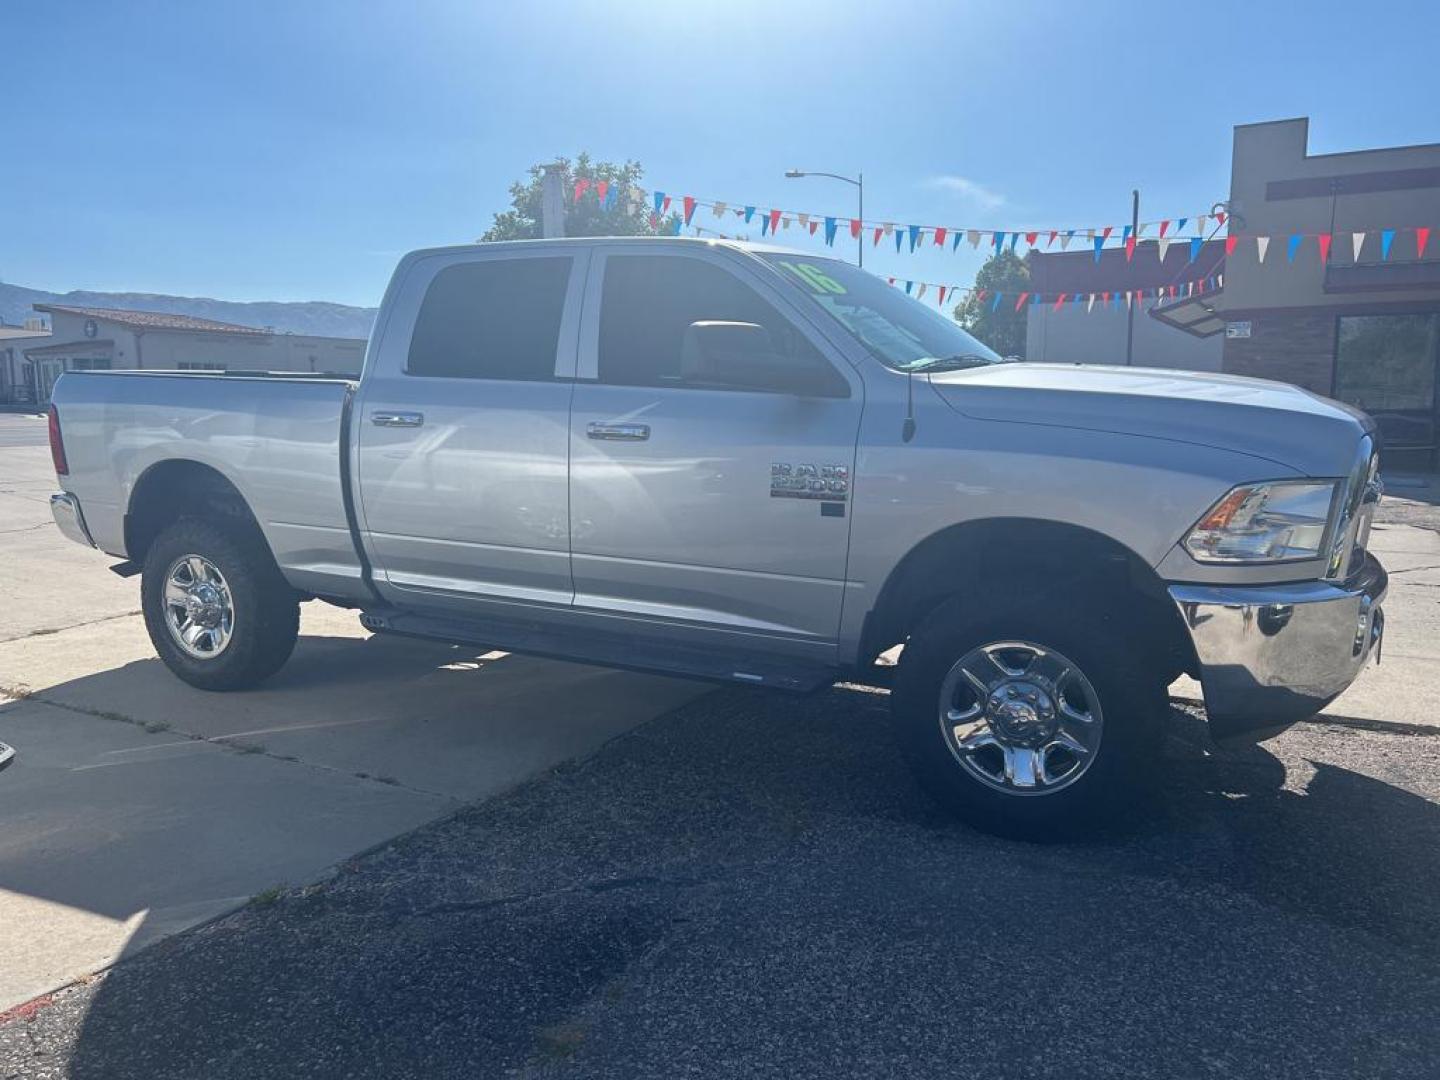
907, 429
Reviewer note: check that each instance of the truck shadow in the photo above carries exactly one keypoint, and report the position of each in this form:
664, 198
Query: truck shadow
746, 821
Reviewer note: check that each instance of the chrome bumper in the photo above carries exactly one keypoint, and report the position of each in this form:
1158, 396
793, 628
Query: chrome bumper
65, 509
1275, 654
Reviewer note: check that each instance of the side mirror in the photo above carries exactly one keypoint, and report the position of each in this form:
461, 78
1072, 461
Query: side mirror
742, 356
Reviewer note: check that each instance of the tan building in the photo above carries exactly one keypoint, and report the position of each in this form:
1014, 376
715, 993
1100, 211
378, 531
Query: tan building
83, 339
1365, 329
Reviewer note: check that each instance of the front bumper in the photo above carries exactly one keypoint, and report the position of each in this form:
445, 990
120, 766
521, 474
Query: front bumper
65, 509
1274, 654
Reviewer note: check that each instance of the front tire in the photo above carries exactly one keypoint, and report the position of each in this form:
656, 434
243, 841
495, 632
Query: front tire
217, 609
1028, 714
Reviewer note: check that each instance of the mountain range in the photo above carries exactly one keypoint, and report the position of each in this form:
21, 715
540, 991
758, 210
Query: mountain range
310, 317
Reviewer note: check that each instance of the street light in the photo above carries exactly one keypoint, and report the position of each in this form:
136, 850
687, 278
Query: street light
858, 181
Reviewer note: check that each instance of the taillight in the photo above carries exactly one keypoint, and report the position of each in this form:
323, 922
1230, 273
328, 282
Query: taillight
57, 444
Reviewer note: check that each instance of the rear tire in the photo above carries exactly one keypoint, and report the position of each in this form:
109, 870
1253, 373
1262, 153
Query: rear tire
1000, 745
218, 611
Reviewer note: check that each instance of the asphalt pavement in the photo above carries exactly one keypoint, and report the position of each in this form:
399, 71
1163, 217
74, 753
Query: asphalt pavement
751, 886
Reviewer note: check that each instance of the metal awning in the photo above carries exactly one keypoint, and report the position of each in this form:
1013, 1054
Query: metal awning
1195, 314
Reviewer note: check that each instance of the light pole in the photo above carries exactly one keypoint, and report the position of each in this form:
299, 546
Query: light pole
858, 181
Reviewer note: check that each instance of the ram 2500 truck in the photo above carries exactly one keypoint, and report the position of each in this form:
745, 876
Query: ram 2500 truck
756, 465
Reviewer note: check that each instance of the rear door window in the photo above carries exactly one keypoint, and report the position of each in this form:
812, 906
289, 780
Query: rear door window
492, 319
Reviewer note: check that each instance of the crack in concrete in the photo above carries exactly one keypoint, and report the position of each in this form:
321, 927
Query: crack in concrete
229, 743
45, 631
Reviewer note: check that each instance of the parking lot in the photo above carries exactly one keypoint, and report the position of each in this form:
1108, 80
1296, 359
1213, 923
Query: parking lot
608, 874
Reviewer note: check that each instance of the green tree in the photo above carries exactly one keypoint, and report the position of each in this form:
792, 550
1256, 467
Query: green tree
1003, 329
629, 214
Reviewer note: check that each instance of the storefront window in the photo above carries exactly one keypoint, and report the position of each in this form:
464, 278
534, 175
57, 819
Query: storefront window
1385, 364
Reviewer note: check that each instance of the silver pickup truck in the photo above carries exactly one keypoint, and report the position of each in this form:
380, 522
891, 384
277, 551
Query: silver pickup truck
756, 465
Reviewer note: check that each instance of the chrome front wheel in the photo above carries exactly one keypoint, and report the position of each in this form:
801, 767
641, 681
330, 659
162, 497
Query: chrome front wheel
199, 607
1020, 717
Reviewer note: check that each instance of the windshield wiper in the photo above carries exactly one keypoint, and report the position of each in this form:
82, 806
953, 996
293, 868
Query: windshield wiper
958, 362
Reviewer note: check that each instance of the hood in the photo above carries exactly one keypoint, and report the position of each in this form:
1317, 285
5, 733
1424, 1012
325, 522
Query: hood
1285, 424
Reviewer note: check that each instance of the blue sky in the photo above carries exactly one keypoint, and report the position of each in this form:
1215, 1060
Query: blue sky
293, 150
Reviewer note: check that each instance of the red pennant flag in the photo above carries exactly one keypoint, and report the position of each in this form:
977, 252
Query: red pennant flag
1129, 247
1220, 218
1105, 233
601, 187
940, 242
1230, 242
1324, 241
1051, 242
941, 301
1163, 226
1422, 237
891, 280
1030, 239
813, 226
581, 186
665, 206
980, 296
855, 227
1106, 296
774, 221
1172, 292
689, 204
1059, 300
654, 220
879, 232
1021, 302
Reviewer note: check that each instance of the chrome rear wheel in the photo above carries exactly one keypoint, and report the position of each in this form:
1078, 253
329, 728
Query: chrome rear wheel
199, 607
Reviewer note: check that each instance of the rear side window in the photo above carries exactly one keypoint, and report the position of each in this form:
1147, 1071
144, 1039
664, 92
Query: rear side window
493, 319
648, 302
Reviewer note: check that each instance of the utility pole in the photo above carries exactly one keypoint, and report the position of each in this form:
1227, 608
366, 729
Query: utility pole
1130, 307
552, 202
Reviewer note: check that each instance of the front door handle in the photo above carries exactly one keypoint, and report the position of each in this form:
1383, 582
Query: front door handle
619, 432
397, 419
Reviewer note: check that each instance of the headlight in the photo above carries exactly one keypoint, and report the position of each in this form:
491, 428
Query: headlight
1261, 523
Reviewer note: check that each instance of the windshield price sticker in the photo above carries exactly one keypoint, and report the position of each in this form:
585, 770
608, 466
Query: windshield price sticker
815, 278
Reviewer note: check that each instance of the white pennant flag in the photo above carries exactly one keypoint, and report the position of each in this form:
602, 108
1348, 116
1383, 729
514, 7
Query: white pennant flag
889, 228
1064, 241
920, 295
785, 221
1164, 247
1140, 229
1262, 243
719, 209
1200, 223
1358, 241
804, 220
1090, 235
1091, 305
973, 236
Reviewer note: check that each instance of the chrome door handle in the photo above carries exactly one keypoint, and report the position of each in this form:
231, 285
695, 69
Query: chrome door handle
397, 419
619, 432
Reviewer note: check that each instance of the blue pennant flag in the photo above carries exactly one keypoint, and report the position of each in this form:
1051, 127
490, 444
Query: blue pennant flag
999, 242
955, 240
1115, 300
1180, 225
749, 213
1099, 245
1294, 246
829, 232
675, 225
1069, 235
899, 239
1387, 237
914, 237
659, 200
996, 305
1196, 243
1125, 234
908, 286
1014, 236
612, 193
764, 224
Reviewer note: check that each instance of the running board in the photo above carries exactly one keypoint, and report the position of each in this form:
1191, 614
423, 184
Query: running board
606, 650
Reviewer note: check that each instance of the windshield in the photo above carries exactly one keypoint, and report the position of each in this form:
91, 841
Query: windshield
900, 332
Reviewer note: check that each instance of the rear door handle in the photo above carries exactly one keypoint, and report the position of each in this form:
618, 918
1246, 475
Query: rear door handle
397, 419
619, 432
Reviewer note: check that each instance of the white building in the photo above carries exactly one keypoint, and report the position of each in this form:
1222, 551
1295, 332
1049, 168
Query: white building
88, 339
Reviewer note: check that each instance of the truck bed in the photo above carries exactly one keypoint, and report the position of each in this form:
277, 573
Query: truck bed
279, 438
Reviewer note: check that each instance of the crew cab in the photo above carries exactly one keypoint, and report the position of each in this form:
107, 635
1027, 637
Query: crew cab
756, 465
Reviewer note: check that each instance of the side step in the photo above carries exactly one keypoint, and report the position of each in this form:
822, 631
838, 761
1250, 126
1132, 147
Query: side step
607, 650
